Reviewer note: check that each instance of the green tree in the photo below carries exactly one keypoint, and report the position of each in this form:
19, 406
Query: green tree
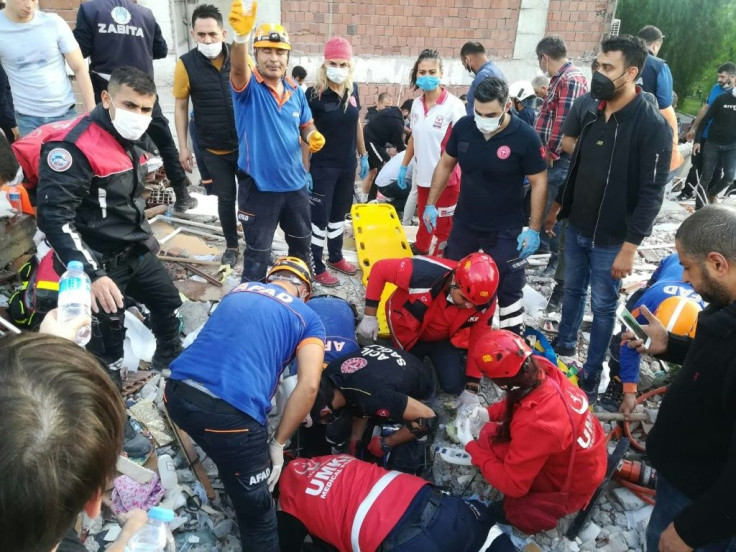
699, 36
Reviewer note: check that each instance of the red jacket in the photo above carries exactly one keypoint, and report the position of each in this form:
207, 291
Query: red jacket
420, 303
538, 455
348, 503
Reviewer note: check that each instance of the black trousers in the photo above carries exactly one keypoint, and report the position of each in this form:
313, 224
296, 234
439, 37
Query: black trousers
222, 170
259, 213
160, 133
143, 278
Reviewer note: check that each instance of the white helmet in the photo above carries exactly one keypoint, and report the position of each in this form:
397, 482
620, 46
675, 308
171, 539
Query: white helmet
521, 90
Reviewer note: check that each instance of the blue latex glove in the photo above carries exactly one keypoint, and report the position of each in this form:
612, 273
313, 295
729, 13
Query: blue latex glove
401, 179
430, 217
310, 183
532, 242
364, 167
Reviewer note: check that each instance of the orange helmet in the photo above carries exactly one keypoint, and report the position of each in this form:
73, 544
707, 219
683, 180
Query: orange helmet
499, 353
477, 278
296, 267
271, 35
679, 315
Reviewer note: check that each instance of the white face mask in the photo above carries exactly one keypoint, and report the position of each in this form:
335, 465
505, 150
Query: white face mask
338, 75
210, 51
487, 124
129, 125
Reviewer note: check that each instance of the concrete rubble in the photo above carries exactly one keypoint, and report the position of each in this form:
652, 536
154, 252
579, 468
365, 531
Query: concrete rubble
618, 521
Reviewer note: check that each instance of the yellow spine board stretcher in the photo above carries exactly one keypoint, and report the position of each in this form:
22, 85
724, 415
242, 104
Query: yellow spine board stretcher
378, 235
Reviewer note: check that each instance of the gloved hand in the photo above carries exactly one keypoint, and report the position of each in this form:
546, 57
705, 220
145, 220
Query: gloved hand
478, 418
378, 447
276, 452
242, 23
364, 167
467, 398
531, 237
401, 179
430, 217
463, 432
316, 141
310, 183
368, 327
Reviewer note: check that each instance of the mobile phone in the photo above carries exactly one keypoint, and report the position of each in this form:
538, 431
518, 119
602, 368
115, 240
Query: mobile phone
628, 320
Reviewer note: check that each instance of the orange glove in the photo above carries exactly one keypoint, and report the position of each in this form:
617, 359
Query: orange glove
241, 22
316, 141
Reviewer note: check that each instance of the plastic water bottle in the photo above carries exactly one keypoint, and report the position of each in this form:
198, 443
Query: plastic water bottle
154, 536
14, 199
75, 299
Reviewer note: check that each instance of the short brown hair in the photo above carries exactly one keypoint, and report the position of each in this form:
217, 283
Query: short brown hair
62, 427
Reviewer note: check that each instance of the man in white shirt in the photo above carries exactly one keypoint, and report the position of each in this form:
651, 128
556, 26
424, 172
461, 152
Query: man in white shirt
386, 181
33, 51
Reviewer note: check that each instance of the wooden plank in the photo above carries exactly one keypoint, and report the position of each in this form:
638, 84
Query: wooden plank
192, 458
16, 237
188, 260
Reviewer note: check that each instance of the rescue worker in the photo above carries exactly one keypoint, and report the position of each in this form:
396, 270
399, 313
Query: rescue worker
675, 303
271, 117
438, 307
540, 446
354, 505
495, 152
523, 100
384, 386
113, 33
203, 74
91, 209
207, 398
334, 103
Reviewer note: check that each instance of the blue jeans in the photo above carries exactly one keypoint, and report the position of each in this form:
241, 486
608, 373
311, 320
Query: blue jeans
29, 123
238, 445
588, 265
556, 176
669, 503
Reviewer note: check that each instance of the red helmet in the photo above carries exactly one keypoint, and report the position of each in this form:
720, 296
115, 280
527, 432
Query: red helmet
477, 278
499, 353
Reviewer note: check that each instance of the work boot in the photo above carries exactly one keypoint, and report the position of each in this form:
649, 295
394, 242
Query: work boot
555, 301
343, 266
326, 279
230, 257
589, 384
611, 398
184, 201
135, 445
166, 352
562, 350
115, 371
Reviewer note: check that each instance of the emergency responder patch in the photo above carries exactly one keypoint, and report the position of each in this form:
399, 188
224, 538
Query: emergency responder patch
59, 159
352, 365
503, 152
382, 413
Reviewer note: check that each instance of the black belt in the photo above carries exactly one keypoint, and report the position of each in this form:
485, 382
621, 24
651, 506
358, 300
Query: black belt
203, 400
423, 521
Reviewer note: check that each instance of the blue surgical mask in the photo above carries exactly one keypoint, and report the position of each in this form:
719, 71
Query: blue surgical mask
428, 82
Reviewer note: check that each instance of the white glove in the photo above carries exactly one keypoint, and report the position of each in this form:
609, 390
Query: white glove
467, 398
478, 418
276, 452
463, 432
368, 327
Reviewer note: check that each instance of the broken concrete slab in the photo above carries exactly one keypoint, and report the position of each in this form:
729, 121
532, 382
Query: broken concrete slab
198, 291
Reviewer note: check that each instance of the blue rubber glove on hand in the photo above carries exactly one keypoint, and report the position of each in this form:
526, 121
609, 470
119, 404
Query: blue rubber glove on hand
527, 243
310, 183
401, 179
430, 217
364, 167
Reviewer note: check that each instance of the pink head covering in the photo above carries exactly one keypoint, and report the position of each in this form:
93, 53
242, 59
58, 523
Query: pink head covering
338, 48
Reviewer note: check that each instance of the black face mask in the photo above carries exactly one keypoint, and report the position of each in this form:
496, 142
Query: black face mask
602, 88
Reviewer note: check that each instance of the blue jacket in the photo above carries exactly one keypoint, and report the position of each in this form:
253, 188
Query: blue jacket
656, 78
489, 69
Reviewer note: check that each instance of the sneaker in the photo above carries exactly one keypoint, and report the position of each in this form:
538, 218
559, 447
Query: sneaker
343, 266
589, 384
563, 350
611, 398
184, 201
165, 354
555, 300
230, 257
326, 279
135, 445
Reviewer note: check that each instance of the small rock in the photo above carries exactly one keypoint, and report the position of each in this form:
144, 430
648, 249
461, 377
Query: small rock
628, 500
632, 539
589, 533
223, 528
185, 476
620, 520
193, 314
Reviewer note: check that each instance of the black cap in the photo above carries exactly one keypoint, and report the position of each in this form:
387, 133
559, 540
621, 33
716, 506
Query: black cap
650, 34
